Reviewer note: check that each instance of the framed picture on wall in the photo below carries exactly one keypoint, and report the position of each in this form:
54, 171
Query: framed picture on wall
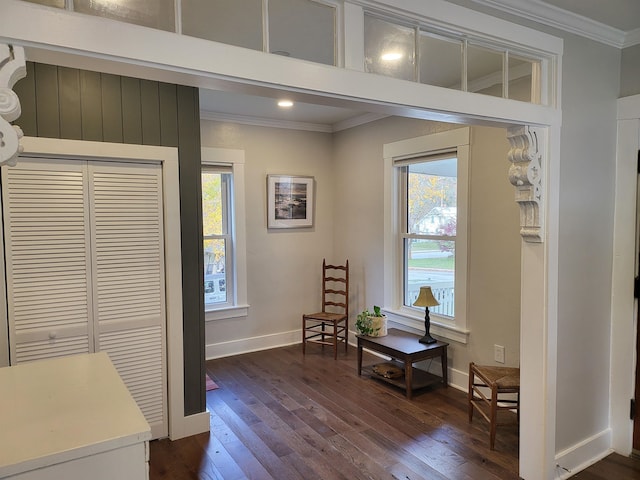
289, 201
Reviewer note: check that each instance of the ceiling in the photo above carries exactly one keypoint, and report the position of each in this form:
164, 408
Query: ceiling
614, 22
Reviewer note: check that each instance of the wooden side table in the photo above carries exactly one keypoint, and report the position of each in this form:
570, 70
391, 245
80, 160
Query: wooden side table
404, 346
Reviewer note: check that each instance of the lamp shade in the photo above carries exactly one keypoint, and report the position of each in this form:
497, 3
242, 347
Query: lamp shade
425, 298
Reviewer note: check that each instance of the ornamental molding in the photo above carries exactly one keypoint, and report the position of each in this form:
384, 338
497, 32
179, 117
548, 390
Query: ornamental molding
12, 69
525, 174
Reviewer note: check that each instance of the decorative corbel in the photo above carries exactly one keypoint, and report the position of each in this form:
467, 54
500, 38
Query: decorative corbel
12, 69
525, 174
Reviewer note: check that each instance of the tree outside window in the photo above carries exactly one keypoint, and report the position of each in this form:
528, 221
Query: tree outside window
216, 234
430, 231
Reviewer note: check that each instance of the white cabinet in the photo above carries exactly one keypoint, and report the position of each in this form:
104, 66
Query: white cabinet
70, 418
85, 269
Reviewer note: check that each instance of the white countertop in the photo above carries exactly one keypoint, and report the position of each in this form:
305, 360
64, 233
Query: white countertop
62, 409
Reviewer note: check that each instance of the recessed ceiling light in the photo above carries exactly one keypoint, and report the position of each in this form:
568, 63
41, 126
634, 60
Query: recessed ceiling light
285, 103
391, 56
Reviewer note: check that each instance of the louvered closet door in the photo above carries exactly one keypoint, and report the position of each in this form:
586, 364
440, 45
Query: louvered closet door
47, 258
128, 290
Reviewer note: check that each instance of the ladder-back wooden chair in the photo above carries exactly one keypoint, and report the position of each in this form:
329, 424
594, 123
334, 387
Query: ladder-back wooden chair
331, 325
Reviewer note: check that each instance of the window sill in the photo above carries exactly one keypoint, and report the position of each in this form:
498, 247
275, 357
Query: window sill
439, 326
224, 313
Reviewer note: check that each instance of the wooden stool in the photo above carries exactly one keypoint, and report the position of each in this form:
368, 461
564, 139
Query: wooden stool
499, 380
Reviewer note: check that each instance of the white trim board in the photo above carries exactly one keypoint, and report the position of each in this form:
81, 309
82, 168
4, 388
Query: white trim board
623, 314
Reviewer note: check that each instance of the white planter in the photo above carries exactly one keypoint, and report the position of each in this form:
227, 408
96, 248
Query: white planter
379, 325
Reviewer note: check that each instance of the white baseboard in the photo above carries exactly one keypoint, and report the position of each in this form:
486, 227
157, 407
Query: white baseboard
192, 425
584, 454
253, 344
457, 378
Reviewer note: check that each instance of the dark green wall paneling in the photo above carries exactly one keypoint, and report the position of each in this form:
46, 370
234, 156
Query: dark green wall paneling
150, 108
70, 104
131, 112
192, 259
47, 105
74, 104
91, 101
168, 114
112, 109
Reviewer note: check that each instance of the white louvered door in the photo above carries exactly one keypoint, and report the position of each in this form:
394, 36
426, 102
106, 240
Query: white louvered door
48, 264
128, 291
85, 269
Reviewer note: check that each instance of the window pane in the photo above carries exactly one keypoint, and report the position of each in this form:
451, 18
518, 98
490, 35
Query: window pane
302, 29
484, 71
432, 197
440, 61
158, 14
430, 263
212, 204
520, 74
215, 282
389, 49
234, 22
431, 210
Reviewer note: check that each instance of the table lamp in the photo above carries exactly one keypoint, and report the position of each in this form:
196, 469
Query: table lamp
426, 299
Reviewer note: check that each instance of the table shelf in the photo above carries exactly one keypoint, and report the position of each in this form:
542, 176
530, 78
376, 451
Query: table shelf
420, 378
404, 349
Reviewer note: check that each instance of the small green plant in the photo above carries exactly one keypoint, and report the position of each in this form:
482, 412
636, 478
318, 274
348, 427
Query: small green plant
364, 321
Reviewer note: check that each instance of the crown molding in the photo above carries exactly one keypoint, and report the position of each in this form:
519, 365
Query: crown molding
288, 124
265, 122
356, 121
562, 19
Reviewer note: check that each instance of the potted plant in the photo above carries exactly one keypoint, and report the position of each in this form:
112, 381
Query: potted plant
372, 324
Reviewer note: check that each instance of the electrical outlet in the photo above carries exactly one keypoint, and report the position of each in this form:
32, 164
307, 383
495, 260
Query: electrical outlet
498, 353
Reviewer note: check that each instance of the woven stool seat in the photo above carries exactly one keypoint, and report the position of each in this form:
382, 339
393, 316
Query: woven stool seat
499, 381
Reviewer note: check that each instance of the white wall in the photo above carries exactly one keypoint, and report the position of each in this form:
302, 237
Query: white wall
283, 266
494, 250
587, 169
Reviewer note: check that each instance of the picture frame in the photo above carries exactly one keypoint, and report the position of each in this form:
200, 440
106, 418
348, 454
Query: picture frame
290, 201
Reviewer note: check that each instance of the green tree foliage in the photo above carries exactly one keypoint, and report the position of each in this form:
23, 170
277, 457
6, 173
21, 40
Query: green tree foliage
212, 217
426, 192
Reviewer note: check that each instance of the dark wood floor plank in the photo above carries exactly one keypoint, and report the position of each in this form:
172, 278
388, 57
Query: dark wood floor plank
281, 415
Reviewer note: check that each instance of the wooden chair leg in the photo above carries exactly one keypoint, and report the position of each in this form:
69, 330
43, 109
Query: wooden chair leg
335, 340
494, 417
304, 336
346, 336
470, 392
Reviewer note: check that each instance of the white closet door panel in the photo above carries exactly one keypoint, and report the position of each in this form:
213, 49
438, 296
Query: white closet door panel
129, 291
47, 248
140, 363
27, 351
128, 242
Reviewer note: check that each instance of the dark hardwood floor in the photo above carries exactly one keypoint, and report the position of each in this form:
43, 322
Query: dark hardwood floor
281, 415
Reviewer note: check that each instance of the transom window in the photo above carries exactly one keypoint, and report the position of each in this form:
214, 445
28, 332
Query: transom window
420, 54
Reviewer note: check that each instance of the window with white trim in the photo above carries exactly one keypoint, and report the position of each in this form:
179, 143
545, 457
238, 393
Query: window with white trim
426, 230
428, 219
224, 233
218, 242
